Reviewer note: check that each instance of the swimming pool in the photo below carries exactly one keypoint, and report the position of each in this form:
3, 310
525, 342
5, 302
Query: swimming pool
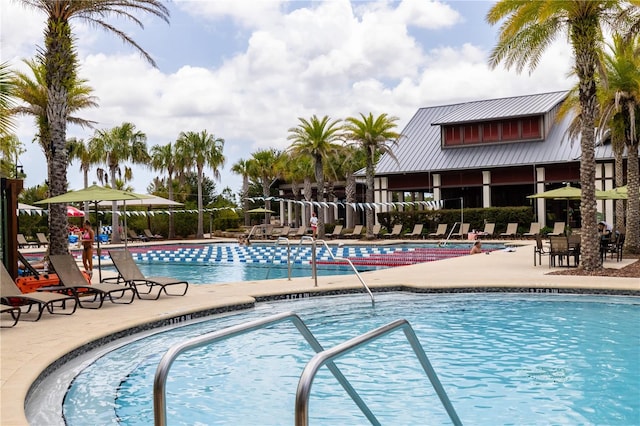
216, 263
503, 359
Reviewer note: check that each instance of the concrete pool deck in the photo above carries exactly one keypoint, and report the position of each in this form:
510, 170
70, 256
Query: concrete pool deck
30, 348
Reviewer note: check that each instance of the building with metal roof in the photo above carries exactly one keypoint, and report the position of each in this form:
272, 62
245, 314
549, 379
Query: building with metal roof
488, 153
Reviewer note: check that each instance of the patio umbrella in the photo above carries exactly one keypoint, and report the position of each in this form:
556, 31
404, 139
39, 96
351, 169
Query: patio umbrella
94, 194
74, 212
151, 201
260, 210
566, 193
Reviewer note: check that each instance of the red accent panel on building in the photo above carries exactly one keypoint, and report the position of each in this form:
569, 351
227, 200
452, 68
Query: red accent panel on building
568, 172
512, 175
452, 179
408, 182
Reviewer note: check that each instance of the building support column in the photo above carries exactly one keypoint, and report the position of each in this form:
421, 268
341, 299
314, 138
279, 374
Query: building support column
541, 202
380, 195
437, 194
486, 188
605, 181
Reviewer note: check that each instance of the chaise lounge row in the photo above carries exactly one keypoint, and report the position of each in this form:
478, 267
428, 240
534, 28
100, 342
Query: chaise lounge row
75, 290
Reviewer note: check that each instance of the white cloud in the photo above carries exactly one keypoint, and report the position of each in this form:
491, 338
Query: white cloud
331, 58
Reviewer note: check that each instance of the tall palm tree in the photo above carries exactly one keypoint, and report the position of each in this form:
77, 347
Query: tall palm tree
263, 166
527, 29
10, 149
117, 147
163, 158
202, 149
621, 110
60, 63
316, 138
353, 159
375, 136
6, 100
241, 167
81, 151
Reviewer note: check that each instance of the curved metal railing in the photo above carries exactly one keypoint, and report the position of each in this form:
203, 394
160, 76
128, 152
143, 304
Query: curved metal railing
327, 357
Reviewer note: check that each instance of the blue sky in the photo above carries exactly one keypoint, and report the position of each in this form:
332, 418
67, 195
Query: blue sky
245, 70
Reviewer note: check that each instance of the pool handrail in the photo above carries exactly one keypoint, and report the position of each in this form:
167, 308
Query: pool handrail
444, 243
273, 256
162, 371
342, 259
326, 357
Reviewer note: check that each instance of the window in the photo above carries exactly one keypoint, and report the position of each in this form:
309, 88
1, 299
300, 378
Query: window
531, 128
452, 135
510, 130
491, 132
472, 134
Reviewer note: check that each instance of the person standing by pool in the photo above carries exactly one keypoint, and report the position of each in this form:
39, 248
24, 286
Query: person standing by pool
87, 247
313, 222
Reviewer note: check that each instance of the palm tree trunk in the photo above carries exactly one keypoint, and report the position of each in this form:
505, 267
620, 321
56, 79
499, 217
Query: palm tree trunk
200, 232
619, 181
583, 36
59, 65
172, 226
115, 217
320, 185
350, 193
632, 240
370, 172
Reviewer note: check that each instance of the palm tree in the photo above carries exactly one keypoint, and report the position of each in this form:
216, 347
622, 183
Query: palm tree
6, 100
527, 29
116, 147
60, 64
241, 167
163, 158
78, 150
621, 108
264, 167
201, 149
316, 138
353, 159
31, 89
11, 148
375, 136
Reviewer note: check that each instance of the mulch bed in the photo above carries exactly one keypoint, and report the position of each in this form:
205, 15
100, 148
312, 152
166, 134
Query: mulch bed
629, 271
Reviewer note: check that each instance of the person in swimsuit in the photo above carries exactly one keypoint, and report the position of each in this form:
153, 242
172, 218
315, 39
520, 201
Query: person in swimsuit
87, 247
314, 224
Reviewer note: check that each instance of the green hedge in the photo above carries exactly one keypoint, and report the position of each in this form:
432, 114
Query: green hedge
477, 217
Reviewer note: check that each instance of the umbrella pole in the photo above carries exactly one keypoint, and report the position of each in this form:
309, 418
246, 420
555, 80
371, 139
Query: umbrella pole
99, 227
126, 230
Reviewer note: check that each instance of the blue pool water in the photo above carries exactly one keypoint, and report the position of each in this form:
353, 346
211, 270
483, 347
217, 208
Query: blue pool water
216, 263
503, 359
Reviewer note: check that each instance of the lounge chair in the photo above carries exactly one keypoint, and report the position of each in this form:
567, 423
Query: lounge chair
356, 233
337, 231
441, 231
395, 231
279, 232
72, 279
488, 231
377, 229
22, 242
534, 230
512, 230
135, 237
130, 273
417, 231
12, 296
558, 229
299, 232
14, 311
42, 239
462, 231
147, 233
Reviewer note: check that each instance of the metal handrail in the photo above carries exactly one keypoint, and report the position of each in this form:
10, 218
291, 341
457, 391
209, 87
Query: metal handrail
345, 259
444, 243
160, 379
327, 357
273, 256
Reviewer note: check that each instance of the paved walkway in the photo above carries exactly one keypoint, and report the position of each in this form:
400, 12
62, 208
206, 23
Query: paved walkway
29, 348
